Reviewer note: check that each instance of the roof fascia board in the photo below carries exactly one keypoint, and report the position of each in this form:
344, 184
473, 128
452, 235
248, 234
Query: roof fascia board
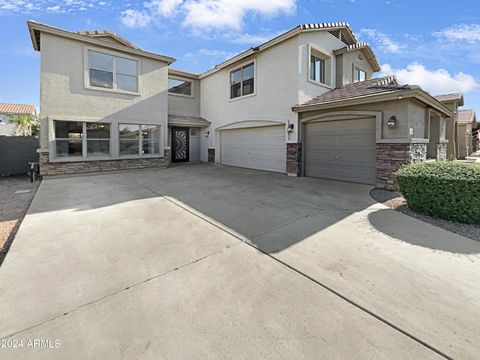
392, 95
182, 73
243, 55
67, 34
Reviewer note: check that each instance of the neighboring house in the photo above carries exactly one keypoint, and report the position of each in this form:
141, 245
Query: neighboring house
467, 121
303, 103
6, 127
453, 102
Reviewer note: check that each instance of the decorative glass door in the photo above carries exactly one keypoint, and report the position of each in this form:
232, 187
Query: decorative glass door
180, 144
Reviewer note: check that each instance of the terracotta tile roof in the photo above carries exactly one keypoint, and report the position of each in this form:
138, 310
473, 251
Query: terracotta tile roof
359, 89
6, 108
466, 116
450, 97
107, 33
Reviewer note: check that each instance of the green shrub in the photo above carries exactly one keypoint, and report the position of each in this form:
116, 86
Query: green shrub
443, 189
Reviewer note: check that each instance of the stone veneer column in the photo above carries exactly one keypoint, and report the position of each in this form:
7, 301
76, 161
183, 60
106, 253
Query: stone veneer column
211, 155
78, 167
442, 151
391, 156
294, 159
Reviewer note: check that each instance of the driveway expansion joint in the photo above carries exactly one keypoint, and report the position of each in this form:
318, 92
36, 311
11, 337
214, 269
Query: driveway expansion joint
317, 282
114, 293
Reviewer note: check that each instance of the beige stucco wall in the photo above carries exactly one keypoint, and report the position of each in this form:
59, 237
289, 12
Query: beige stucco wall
63, 94
407, 113
183, 105
451, 131
347, 62
326, 43
276, 91
464, 140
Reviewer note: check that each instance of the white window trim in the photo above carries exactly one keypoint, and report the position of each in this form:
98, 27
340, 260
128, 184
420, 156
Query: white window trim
175, 77
86, 71
254, 61
357, 67
140, 142
84, 157
311, 50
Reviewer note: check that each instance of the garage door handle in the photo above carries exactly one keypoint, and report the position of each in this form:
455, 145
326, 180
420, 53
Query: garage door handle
337, 157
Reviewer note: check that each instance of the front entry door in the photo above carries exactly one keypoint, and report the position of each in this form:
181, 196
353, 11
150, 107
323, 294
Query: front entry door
180, 144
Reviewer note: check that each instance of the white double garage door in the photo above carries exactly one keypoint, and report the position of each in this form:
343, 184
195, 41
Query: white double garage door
339, 150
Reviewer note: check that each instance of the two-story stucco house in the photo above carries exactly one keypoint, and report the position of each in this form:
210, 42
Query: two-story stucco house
304, 104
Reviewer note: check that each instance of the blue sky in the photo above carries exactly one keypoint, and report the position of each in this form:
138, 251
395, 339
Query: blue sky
434, 44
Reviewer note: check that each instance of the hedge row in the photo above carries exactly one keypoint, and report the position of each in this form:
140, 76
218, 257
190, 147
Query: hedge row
443, 189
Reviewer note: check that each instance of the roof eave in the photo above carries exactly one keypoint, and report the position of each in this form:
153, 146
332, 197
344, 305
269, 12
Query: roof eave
247, 53
35, 26
385, 96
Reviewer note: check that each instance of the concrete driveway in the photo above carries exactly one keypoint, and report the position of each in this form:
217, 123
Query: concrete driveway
203, 262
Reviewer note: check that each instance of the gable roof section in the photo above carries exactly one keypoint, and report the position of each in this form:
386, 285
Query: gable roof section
338, 27
90, 37
365, 49
101, 34
374, 90
17, 109
454, 97
467, 116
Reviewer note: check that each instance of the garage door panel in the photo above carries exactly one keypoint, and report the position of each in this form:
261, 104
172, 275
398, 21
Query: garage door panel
341, 150
261, 148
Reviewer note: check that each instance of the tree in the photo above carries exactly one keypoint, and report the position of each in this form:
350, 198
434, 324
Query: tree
26, 124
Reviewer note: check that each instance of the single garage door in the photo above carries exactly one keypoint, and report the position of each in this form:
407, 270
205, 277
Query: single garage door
261, 148
341, 150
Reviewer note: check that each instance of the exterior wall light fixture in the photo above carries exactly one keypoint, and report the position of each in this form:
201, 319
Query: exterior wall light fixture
290, 128
207, 133
392, 122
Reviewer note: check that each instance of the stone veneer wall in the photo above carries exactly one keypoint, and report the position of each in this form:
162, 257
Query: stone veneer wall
78, 167
211, 155
390, 157
294, 159
442, 151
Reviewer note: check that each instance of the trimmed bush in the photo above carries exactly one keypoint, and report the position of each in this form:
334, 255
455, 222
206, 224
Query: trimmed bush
443, 189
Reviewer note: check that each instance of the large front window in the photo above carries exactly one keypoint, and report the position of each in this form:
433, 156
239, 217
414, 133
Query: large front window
139, 139
112, 72
242, 81
81, 139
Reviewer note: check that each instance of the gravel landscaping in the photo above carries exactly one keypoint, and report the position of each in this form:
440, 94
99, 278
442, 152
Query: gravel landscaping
16, 193
397, 202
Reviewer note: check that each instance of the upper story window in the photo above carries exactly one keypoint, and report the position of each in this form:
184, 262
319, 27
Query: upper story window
359, 75
180, 87
319, 67
242, 81
112, 72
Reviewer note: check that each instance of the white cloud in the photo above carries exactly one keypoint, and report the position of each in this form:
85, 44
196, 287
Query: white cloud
382, 40
230, 13
48, 6
207, 14
436, 82
135, 19
163, 7
460, 32
210, 57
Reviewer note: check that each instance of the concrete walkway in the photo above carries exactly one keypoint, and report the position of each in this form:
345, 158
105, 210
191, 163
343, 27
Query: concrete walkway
202, 262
